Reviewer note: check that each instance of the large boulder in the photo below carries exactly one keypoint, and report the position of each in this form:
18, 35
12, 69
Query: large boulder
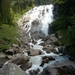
46, 59
19, 59
26, 66
2, 61
34, 72
66, 70
47, 40
60, 68
11, 69
49, 71
33, 52
36, 31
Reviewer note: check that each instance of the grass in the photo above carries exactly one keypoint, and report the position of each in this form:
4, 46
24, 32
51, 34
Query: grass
8, 35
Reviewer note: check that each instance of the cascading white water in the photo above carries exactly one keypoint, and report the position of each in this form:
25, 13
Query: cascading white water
42, 14
47, 19
36, 20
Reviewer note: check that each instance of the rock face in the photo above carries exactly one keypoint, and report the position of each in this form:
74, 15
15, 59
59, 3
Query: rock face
19, 59
11, 69
66, 70
36, 31
46, 59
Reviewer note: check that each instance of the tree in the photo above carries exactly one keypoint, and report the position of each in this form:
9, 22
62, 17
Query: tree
5, 14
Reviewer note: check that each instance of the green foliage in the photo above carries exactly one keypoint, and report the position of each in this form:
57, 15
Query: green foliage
43, 2
65, 24
60, 1
8, 35
60, 23
20, 5
5, 13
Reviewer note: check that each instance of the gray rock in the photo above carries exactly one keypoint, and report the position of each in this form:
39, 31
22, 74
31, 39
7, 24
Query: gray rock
33, 52
19, 59
26, 66
49, 71
48, 48
46, 59
11, 69
34, 72
66, 70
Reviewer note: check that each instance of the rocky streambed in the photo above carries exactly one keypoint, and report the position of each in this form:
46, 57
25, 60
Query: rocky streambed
39, 53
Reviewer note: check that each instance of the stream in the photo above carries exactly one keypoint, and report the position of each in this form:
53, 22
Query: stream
36, 23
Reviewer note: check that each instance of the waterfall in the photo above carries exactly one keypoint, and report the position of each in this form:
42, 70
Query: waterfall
47, 19
36, 23
38, 19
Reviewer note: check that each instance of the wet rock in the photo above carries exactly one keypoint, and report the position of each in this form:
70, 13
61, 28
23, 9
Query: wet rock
34, 42
19, 59
48, 48
35, 22
43, 44
55, 11
8, 57
53, 38
47, 40
56, 51
26, 66
71, 58
50, 28
46, 59
11, 69
34, 72
66, 70
61, 49
25, 41
37, 34
47, 71
33, 52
